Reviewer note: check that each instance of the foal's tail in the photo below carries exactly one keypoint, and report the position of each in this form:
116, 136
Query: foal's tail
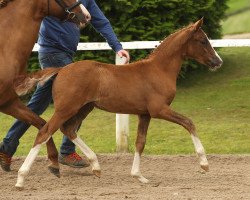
25, 83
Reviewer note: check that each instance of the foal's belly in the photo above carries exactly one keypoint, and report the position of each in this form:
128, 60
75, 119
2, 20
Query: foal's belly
121, 106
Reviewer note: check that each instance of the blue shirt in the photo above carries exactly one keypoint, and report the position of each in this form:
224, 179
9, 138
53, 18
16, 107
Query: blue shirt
58, 36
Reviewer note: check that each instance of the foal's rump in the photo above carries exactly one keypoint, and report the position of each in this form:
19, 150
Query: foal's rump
73, 74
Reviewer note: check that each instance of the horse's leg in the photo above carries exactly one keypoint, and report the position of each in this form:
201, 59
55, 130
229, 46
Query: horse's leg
21, 112
172, 116
140, 144
43, 136
70, 128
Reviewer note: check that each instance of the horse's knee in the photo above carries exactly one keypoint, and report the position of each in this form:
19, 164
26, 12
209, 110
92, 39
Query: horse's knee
189, 125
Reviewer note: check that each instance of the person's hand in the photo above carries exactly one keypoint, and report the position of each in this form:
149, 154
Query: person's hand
124, 53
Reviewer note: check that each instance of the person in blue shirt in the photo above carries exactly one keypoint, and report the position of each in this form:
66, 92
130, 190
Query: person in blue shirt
58, 43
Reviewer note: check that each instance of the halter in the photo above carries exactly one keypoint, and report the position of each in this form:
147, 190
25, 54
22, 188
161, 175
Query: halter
78, 17
67, 9
4, 3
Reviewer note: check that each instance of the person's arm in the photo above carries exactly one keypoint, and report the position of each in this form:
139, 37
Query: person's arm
102, 25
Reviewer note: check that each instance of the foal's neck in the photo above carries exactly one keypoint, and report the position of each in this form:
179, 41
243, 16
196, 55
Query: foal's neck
168, 56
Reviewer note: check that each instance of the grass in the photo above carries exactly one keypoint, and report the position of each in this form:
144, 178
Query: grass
217, 102
235, 5
237, 23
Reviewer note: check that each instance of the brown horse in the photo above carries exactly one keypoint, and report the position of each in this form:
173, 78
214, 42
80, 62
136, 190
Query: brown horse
145, 88
19, 26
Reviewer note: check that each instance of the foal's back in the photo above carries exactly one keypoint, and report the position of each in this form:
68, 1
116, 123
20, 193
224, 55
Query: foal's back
112, 88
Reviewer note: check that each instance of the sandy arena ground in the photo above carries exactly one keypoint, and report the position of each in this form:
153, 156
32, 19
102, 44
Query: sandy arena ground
171, 177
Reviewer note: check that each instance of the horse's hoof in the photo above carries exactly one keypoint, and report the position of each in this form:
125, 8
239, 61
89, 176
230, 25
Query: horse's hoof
19, 184
18, 187
55, 171
205, 167
143, 180
97, 173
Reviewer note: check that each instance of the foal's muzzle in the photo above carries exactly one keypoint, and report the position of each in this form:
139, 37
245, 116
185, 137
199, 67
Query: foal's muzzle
80, 18
215, 63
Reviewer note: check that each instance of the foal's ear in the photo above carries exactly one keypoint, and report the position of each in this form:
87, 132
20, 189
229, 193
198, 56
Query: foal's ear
198, 24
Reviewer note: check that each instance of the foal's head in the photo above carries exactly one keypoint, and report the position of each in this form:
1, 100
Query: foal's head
200, 49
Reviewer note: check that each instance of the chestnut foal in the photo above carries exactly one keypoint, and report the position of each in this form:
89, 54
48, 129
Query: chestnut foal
19, 26
145, 88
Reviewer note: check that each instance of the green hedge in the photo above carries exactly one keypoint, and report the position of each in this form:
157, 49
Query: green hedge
145, 20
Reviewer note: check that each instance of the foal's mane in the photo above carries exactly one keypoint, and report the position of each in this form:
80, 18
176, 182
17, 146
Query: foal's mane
166, 46
4, 3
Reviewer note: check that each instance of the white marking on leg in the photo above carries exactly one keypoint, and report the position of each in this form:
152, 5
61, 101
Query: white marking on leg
136, 165
135, 171
24, 170
199, 150
88, 153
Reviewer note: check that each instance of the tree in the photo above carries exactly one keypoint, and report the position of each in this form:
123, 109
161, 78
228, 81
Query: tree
145, 20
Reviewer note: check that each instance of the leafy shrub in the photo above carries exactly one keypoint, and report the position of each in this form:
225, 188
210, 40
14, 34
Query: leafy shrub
145, 20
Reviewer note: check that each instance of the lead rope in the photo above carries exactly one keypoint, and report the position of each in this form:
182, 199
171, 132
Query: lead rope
48, 8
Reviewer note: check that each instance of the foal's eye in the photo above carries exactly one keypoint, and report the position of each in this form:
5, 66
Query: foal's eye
204, 42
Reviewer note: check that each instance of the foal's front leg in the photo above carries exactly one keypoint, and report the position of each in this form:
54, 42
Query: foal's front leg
172, 116
140, 144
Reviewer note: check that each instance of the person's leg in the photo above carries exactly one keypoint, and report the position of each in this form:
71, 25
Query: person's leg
38, 103
67, 155
67, 147
62, 59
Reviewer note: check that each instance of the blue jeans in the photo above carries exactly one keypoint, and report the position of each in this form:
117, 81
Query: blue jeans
38, 103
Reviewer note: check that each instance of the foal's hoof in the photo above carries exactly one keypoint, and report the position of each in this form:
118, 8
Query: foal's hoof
205, 167
55, 171
18, 187
19, 183
143, 180
97, 173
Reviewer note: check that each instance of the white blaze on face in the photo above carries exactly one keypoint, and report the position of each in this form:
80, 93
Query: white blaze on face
216, 54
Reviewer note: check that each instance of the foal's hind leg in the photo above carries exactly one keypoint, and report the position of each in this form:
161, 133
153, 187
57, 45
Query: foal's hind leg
70, 128
43, 136
140, 144
172, 116
18, 110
